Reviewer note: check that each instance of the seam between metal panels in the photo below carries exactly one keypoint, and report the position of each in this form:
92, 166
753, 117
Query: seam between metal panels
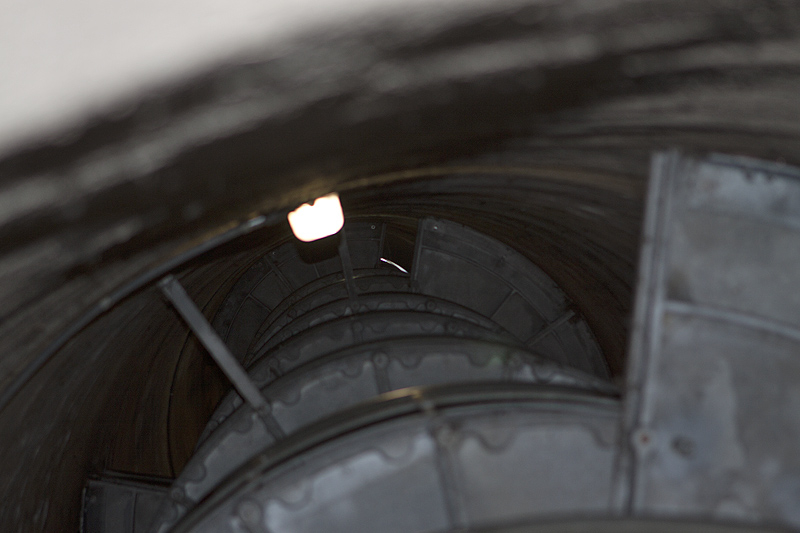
549, 328
646, 308
782, 329
744, 164
759, 218
446, 471
664, 190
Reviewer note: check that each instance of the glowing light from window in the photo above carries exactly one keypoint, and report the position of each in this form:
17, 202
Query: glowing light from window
321, 218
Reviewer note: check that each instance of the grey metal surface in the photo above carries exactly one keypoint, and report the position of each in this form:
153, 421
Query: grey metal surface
367, 304
348, 331
118, 505
459, 264
310, 392
317, 294
451, 262
338, 340
712, 410
283, 274
439, 466
629, 525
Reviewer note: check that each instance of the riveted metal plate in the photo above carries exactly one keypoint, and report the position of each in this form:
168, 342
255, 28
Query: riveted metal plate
426, 463
712, 408
312, 390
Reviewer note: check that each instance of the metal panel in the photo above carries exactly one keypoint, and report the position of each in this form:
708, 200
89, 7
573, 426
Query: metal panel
451, 462
119, 505
350, 330
325, 349
340, 380
713, 407
456, 263
284, 272
628, 525
317, 294
372, 303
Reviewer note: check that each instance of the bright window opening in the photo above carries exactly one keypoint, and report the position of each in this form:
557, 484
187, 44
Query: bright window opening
321, 218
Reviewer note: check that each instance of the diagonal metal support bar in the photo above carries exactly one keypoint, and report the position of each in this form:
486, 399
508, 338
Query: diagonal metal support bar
347, 267
176, 294
549, 328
